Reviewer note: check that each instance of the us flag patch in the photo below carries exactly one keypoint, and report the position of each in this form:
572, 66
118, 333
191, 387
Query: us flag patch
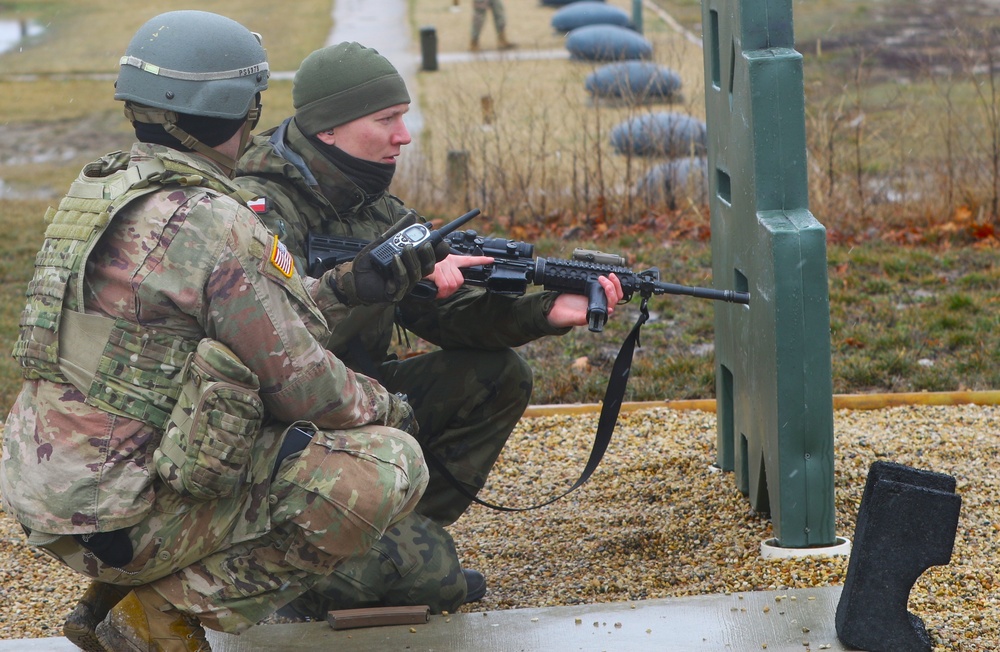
281, 259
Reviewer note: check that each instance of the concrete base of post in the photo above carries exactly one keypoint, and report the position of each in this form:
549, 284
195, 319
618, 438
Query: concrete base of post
769, 549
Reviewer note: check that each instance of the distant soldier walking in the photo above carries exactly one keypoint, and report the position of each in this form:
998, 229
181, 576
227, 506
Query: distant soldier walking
479, 9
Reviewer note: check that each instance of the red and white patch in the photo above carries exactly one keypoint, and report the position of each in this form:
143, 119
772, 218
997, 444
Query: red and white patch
260, 205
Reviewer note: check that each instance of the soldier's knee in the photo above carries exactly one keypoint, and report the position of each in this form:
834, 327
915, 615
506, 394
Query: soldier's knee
414, 563
343, 490
515, 366
514, 375
427, 567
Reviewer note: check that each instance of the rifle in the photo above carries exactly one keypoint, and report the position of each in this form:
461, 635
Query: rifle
514, 268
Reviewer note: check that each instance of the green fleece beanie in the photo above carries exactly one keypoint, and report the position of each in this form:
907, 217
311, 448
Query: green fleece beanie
342, 82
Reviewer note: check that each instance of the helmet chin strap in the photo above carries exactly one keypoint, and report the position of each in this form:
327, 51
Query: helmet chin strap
168, 119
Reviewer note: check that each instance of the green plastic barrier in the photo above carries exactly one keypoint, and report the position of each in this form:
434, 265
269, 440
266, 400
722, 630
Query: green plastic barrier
773, 374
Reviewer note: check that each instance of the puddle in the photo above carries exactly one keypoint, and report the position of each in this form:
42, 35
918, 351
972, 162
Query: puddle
13, 32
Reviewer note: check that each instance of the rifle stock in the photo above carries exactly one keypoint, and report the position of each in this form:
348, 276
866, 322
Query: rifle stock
324, 252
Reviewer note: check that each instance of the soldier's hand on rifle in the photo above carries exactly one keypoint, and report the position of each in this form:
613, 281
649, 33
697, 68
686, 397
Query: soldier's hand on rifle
359, 283
447, 275
571, 309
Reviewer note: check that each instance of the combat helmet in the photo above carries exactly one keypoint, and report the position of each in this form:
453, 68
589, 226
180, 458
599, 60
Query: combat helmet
193, 63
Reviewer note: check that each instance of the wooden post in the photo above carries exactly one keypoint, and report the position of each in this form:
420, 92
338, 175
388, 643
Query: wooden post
487, 104
457, 176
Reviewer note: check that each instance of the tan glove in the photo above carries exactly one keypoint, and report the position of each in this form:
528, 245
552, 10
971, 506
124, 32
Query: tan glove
400, 415
359, 283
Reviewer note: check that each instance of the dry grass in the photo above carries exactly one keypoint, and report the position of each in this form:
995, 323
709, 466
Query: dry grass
68, 46
91, 36
544, 141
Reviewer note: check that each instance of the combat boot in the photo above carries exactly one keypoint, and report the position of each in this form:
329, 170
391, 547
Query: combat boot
145, 622
474, 45
503, 43
92, 608
476, 585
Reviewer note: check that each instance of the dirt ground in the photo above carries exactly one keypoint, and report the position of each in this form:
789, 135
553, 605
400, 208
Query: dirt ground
44, 141
903, 38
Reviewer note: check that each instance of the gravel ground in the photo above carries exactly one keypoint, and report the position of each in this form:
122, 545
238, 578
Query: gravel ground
656, 521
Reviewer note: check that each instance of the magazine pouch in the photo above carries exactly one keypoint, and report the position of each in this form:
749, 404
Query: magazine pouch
205, 450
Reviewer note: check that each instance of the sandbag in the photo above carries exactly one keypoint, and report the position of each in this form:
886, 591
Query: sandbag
607, 43
673, 135
639, 80
676, 183
561, 3
589, 12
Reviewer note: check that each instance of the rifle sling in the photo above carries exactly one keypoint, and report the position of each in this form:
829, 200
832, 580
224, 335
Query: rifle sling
613, 397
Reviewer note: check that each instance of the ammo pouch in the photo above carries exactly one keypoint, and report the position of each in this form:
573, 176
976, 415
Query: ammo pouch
205, 450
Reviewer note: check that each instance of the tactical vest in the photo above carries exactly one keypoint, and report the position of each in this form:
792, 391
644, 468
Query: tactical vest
136, 373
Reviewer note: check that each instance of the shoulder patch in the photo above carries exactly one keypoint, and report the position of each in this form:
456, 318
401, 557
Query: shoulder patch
282, 259
259, 205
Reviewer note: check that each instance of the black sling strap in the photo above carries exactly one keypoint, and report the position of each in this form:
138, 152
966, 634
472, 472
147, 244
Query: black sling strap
613, 397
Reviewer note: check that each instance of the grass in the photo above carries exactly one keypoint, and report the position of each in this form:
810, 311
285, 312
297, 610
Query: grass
531, 158
91, 36
903, 319
913, 304
21, 223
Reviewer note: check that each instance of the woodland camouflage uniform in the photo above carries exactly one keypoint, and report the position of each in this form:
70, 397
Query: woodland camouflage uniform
178, 264
467, 397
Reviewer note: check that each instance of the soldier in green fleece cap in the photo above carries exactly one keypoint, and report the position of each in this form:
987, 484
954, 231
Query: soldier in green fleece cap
327, 170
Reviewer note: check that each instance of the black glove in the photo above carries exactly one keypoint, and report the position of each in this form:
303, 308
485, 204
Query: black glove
360, 283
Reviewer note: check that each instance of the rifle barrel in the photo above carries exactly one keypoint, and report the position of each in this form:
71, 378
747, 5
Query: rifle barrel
729, 296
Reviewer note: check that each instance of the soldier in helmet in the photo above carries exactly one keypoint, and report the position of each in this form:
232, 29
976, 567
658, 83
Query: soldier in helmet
327, 171
182, 437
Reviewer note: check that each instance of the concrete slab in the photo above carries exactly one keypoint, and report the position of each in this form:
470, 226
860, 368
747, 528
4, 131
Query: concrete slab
783, 621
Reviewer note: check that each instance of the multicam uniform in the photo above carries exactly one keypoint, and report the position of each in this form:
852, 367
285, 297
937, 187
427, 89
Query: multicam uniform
469, 395
166, 263
479, 9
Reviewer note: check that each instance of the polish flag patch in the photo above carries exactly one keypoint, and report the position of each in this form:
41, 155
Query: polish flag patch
282, 259
260, 205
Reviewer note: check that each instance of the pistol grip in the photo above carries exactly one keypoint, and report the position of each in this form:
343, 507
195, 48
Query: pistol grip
424, 290
597, 306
